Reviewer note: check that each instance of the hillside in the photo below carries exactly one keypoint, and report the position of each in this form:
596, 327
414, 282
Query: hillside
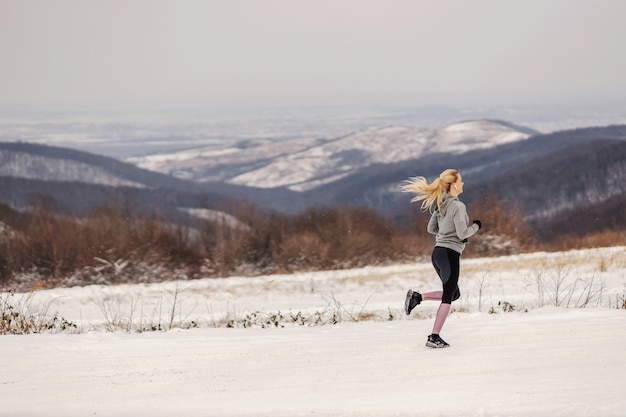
523, 173
579, 191
305, 164
579, 176
78, 182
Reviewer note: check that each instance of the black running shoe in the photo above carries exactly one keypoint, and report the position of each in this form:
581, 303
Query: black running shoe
412, 299
434, 341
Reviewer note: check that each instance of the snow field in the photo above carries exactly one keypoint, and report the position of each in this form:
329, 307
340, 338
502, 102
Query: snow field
524, 281
538, 360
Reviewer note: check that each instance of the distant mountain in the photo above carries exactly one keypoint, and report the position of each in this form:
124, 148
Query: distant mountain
50, 163
543, 175
547, 176
304, 164
583, 174
579, 189
77, 182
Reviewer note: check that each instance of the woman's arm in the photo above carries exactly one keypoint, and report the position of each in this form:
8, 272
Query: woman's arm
460, 223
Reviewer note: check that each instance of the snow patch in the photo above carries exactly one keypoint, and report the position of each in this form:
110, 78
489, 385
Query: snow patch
26, 165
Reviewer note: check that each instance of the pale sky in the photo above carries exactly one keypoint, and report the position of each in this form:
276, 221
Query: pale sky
64, 53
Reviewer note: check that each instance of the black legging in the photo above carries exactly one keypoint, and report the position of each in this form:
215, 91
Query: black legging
447, 264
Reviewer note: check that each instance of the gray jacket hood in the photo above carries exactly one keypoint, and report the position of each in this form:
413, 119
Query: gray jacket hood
447, 199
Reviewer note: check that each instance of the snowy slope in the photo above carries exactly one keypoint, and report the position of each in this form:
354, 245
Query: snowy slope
334, 159
28, 165
538, 360
207, 163
475, 134
303, 164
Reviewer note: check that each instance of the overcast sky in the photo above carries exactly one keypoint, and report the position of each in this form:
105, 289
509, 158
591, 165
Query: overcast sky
64, 53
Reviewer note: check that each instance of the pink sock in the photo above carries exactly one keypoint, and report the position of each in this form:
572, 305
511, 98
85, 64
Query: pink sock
440, 319
432, 295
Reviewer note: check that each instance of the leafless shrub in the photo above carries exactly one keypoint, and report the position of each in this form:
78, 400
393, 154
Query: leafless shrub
591, 290
130, 317
620, 299
482, 287
558, 287
340, 311
20, 315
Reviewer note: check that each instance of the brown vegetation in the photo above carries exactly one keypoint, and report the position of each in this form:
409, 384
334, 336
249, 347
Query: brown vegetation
56, 246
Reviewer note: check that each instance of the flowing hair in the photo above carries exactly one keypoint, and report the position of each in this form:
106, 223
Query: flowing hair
430, 192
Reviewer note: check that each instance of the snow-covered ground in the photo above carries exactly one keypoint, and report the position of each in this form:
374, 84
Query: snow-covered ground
513, 352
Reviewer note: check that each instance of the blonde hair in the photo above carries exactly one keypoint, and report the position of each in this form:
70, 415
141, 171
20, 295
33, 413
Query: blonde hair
430, 192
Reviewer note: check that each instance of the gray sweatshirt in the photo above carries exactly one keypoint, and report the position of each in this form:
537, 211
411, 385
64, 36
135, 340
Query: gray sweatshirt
450, 224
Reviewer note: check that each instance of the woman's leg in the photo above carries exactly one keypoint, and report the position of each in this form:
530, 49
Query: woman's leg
440, 318
432, 295
446, 263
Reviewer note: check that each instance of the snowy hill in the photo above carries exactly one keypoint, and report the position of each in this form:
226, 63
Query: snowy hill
582, 170
578, 169
304, 164
22, 162
595, 172
78, 182
524, 358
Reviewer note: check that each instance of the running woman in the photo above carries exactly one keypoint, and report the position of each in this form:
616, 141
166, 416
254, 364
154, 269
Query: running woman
449, 223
